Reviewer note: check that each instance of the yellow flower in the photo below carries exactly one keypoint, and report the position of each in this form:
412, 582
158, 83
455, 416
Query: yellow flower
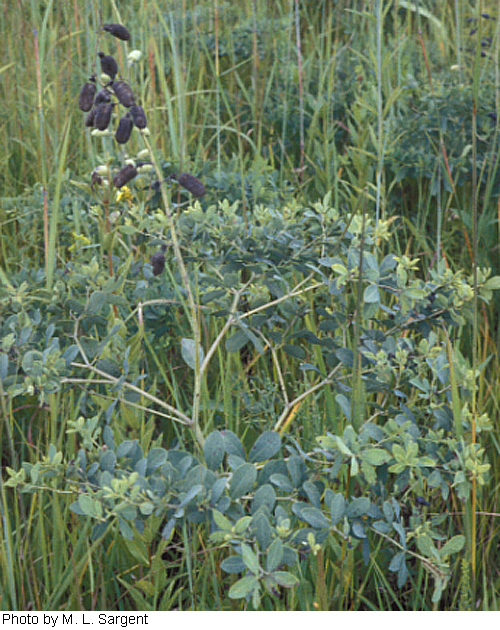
124, 194
80, 241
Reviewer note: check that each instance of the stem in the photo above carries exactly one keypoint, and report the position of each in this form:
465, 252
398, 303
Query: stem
193, 309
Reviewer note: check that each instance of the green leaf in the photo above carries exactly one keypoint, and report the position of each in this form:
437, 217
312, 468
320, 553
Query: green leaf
358, 507
89, 506
236, 341
146, 508
265, 446
454, 545
426, 547
396, 562
233, 564
125, 530
232, 444
314, 517
221, 521
242, 480
371, 294
312, 493
295, 351
274, 555
108, 461
242, 524
376, 456
358, 530
337, 508
261, 529
250, 559
213, 450
188, 351
285, 579
492, 283
296, 470
155, 458
244, 587
282, 482
264, 496
190, 495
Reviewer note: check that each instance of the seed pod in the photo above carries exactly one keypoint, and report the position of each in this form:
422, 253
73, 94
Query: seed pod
96, 180
192, 184
117, 30
108, 65
102, 115
158, 263
89, 119
123, 93
124, 175
139, 116
86, 97
103, 96
124, 129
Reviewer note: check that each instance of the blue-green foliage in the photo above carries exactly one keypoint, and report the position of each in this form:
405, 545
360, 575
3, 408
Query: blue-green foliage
269, 500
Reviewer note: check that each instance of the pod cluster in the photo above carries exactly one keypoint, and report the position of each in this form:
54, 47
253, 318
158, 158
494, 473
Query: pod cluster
103, 95
99, 102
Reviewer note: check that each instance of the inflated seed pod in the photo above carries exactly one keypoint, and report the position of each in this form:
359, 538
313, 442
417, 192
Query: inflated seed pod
123, 93
124, 129
158, 262
96, 180
108, 65
103, 96
192, 184
102, 115
139, 116
86, 97
117, 30
89, 118
124, 175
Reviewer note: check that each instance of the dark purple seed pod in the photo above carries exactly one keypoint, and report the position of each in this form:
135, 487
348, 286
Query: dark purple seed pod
96, 180
124, 129
192, 184
123, 93
102, 115
108, 65
117, 30
86, 97
158, 263
139, 116
124, 175
89, 118
103, 96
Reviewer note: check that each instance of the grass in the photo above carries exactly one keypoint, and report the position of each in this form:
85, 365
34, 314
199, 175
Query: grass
267, 103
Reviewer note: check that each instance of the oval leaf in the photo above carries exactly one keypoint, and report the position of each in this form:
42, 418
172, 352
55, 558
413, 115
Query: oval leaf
314, 517
242, 480
188, 351
285, 579
266, 445
244, 587
213, 450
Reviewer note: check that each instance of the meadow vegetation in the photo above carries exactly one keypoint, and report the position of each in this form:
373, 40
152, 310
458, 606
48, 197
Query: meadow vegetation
258, 367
